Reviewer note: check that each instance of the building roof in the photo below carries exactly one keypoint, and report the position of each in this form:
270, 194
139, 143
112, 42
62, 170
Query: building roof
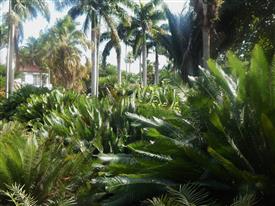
31, 68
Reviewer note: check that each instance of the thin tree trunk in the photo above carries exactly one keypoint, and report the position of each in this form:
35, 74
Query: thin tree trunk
126, 60
119, 66
130, 64
157, 68
140, 69
205, 35
11, 59
116, 40
144, 62
8, 56
94, 57
98, 26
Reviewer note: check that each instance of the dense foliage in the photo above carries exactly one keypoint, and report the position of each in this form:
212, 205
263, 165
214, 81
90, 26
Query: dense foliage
103, 136
145, 143
8, 106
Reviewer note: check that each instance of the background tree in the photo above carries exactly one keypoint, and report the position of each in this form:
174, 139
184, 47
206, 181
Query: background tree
182, 42
94, 10
19, 11
242, 24
59, 50
206, 14
110, 44
144, 22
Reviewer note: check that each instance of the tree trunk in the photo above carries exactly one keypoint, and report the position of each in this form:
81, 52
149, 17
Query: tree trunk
98, 26
8, 58
205, 35
11, 59
144, 62
130, 64
126, 59
140, 69
119, 66
157, 68
94, 57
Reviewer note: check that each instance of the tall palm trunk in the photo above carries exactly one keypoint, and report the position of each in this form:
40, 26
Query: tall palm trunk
94, 56
97, 51
205, 34
116, 40
140, 69
126, 60
118, 51
129, 68
11, 63
157, 67
144, 62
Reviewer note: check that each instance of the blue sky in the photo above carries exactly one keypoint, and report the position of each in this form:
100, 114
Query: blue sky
32, 28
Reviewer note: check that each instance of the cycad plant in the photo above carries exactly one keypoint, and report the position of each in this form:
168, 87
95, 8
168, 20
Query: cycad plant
40, 166
223, 138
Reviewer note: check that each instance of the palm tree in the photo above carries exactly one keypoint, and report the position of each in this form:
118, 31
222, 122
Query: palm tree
129, 59
144, 23
94, 10
207, 11
182, 42
59, 51
19, 11
123, 34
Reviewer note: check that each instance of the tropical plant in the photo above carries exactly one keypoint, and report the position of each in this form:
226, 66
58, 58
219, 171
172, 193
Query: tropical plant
41, 165
186, 195
94, 10
242, 24
222, 139
8, 106
182, 42
207, 11
143, 25
19, 11
59, 50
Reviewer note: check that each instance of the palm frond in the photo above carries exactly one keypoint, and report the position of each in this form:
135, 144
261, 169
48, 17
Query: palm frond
245, 200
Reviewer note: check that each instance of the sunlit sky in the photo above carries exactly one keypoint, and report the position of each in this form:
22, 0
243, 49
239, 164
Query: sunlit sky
32, 28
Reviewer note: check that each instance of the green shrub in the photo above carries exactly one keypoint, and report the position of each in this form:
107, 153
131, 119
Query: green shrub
42, 166
9, 106
224, 139
39, 106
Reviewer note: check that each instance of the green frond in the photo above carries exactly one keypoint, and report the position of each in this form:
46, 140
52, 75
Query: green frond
190, 194
245, 200
163, 200
239, 71
18, 196
259, 81
131, 190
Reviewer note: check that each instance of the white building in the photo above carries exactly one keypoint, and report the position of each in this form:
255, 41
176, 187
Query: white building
32, 75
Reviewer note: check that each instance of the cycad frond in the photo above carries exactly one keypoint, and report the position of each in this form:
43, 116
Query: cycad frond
163, 200
190, 195
18, 196
245, 200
